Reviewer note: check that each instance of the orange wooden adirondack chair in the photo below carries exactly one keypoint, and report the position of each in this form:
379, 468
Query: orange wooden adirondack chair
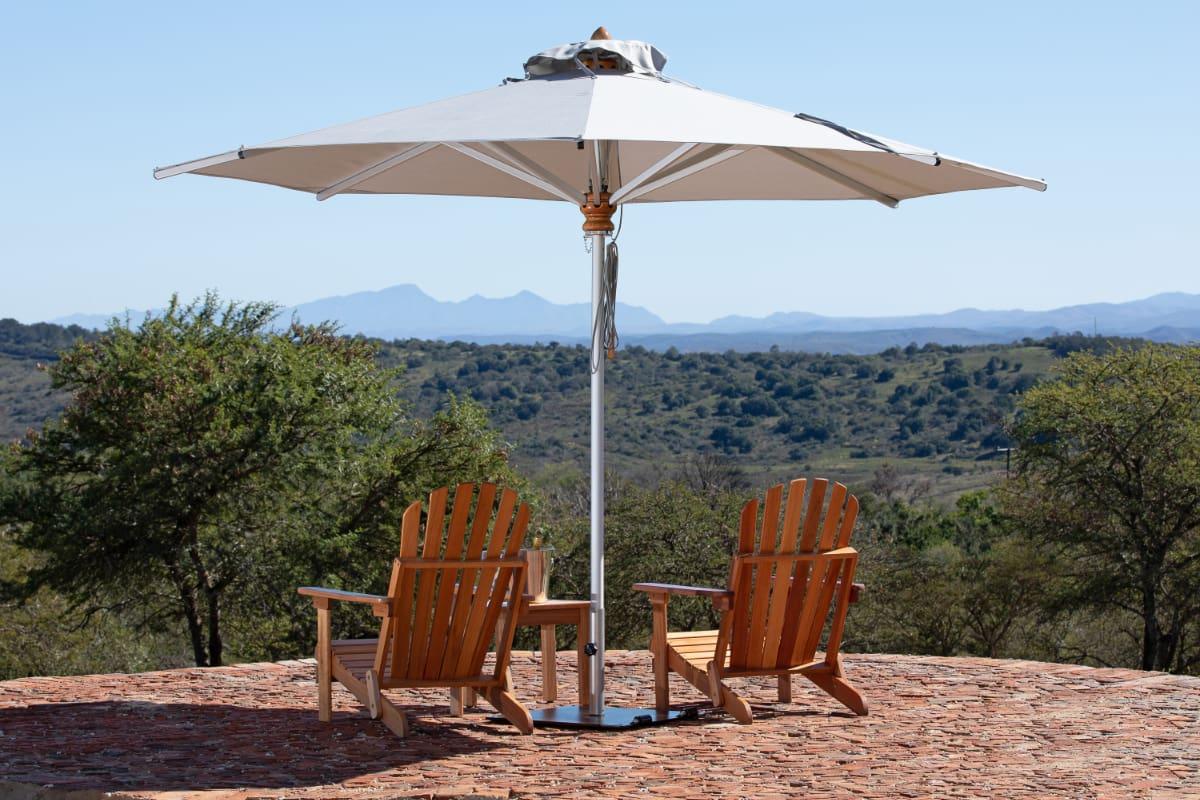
444, 608
782, 588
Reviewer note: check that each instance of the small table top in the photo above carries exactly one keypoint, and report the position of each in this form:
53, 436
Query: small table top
552, 603
553, 612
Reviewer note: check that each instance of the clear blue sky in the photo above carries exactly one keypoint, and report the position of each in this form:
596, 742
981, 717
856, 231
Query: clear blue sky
1101, 99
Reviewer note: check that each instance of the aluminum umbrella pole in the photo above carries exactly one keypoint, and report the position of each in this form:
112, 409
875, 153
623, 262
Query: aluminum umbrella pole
595, 702
592, 711
598, 226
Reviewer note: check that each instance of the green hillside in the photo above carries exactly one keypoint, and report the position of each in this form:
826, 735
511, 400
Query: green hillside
26, 399
939, 410
932, 411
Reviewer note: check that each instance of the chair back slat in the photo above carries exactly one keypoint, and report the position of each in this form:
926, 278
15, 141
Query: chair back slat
792, 516
398, 628
764, 574
777, 611
812, 515
740, 575
784, 580
417, 646
833, 519
447, 579
445, 603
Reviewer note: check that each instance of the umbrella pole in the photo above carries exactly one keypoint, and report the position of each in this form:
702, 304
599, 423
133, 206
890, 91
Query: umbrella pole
595, 701
592, 712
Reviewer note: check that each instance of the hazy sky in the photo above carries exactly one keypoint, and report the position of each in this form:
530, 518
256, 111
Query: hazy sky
1102, 100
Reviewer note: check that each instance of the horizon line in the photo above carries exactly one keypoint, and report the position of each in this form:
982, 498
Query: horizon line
59, 320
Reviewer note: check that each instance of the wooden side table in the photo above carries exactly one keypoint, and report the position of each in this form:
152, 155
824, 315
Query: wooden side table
546, 615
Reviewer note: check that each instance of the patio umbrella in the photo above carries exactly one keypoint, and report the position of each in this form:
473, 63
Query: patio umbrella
597, 124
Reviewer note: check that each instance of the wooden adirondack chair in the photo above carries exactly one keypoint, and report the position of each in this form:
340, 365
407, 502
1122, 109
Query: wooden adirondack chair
783, 586
446, 606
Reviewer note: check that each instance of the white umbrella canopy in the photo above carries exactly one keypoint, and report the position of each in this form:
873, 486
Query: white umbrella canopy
597, 124
666, 141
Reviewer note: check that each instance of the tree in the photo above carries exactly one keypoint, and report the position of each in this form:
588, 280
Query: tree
1006, 582
669, 533
709, 473
946, 581
1107, 469
207, 462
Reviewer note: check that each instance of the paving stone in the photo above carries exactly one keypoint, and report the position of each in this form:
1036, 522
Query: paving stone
939, 727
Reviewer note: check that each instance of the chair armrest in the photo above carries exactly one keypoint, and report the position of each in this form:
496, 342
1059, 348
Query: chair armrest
721, 598
321, 597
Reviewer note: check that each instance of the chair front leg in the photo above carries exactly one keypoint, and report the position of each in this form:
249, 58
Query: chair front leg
658, 649
724, 697
324, 661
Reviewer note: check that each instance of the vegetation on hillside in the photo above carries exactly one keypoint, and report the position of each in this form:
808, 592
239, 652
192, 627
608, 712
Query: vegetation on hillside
942, 409
934, 411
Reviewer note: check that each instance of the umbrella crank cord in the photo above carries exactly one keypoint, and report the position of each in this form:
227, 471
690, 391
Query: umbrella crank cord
604, 327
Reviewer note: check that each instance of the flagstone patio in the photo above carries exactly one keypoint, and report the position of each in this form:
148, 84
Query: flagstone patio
939, 727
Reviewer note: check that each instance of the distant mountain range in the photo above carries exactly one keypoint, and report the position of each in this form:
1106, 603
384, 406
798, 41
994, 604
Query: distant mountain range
404, 311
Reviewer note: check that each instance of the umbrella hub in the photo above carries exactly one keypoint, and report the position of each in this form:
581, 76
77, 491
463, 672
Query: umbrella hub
599, 54
598, 213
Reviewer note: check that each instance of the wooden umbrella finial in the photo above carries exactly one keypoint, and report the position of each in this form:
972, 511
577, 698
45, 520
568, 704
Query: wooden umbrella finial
599, 34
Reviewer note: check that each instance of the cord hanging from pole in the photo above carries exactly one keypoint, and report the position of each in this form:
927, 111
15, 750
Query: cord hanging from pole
604, 330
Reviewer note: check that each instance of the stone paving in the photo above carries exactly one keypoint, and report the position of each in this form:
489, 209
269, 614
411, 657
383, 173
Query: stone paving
939, 727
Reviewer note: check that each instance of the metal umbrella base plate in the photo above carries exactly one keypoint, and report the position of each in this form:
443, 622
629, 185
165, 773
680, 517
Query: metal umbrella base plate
612, 718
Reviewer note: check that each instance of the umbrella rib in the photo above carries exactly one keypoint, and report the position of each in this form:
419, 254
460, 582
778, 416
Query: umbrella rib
656, 168
515, 172
709, 157
519, 159
837, 177
376, 169
1020, 180
199, 163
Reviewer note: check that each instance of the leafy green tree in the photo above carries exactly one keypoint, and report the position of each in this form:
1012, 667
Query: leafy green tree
671, 533
947, 581
1107, 470
1006, 582
41, 636
208, 462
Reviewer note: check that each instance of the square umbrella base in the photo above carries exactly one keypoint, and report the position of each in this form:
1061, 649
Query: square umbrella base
612, 717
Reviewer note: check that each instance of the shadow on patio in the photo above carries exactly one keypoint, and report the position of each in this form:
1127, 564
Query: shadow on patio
140, 746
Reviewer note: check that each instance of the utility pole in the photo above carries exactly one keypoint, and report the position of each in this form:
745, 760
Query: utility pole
1007, 458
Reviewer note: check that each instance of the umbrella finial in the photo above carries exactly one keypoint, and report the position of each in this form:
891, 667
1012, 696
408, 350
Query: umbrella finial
599, 34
